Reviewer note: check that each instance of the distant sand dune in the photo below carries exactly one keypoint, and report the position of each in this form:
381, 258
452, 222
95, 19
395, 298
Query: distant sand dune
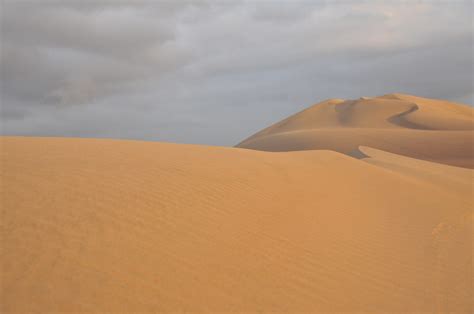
124, 226
412, 126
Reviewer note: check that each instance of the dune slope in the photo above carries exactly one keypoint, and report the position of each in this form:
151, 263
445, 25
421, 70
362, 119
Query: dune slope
418, 127
121, 226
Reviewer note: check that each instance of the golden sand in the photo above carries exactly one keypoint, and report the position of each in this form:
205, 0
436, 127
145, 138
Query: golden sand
126, 226
418, 127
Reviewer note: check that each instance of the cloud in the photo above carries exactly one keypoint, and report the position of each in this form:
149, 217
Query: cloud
214, 72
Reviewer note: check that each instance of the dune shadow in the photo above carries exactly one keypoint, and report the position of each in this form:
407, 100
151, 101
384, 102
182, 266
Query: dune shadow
358, 154
400, 120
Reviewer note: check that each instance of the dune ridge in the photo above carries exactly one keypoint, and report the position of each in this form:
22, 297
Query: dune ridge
416, 127
126, 226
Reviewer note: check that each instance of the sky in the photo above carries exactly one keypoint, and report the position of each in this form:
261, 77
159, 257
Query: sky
215, 72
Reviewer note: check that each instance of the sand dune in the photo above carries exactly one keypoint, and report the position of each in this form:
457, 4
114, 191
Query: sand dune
423, 128
123, 226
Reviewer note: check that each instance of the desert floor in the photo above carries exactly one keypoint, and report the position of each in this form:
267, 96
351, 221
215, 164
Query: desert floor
92, 225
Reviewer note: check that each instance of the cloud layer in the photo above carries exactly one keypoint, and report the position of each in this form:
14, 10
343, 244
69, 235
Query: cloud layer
215, 72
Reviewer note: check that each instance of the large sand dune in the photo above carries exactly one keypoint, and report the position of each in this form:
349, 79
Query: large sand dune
123, 226
423, 128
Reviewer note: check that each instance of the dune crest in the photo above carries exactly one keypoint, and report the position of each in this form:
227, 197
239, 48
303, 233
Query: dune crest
417, 127
124, 226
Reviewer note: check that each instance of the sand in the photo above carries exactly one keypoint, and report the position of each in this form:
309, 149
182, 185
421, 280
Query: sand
126, 226
412, 126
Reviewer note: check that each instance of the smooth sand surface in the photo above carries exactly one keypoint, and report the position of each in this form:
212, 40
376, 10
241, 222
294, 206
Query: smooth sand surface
126, 226
428, 129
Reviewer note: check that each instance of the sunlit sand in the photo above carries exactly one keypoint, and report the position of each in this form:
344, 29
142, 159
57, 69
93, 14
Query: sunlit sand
369, 208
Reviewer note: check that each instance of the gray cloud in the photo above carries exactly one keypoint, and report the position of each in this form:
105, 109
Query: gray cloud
214, 72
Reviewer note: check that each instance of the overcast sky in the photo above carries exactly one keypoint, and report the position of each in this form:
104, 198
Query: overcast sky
214, 72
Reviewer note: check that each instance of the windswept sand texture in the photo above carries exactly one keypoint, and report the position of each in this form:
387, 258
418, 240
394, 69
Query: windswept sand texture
123, 226
418, 127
